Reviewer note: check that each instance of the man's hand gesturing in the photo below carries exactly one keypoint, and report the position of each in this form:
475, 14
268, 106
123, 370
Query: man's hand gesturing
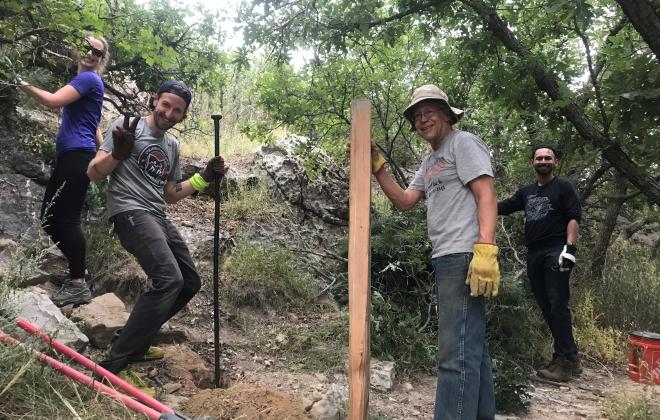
123, 138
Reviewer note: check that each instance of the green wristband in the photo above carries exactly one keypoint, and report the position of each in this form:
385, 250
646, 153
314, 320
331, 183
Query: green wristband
198, 182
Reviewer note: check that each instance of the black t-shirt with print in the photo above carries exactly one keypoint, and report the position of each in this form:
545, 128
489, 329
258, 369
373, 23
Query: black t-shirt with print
548, 209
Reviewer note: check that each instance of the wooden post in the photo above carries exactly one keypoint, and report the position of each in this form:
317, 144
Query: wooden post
359, 276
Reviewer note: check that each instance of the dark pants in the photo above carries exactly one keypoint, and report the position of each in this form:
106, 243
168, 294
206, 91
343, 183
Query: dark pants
164, 257
62, 206
551, 290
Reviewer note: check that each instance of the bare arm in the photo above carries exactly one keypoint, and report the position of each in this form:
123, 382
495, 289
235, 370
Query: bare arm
175, 191
99, 138
101, 166
402, 199
484, 194
572, 231
64, 96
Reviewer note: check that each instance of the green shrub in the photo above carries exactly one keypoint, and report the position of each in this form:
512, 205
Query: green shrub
322, 347
518, 340
627, 295
602, 343
96, 195
631, 407
403, 297
40, 143
395, 336
248, 202
103, 249
401, 268
266, 277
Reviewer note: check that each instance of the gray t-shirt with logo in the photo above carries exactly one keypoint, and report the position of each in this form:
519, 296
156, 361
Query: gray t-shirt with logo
444, 175
137, 183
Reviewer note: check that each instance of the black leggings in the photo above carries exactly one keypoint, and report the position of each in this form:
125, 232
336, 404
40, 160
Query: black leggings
62, 206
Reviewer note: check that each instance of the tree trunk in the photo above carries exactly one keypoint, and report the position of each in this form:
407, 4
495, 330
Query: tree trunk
614, 204
646, 21
549, 83
590, 183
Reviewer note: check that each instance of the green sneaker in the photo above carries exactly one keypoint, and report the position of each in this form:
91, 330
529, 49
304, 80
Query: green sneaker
130, 376
154, 353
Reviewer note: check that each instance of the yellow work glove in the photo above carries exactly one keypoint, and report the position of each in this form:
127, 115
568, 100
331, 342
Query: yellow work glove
484, 272
377, 160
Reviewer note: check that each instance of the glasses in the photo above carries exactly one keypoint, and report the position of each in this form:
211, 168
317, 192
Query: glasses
424, 115
95, 51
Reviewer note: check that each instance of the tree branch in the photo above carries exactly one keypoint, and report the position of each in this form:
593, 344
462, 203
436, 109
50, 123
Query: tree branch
548, 82
646, 21
593, 76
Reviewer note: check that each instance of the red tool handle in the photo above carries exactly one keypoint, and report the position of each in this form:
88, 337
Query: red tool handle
114, 379
90, 382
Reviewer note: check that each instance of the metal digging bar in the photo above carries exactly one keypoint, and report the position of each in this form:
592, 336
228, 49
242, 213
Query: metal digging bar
165, 412
216, 251
88, 381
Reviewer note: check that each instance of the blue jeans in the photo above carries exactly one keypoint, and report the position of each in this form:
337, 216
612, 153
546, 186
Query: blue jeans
465, 379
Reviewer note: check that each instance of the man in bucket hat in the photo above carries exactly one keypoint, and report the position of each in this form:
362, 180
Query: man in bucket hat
142, 160
456, 179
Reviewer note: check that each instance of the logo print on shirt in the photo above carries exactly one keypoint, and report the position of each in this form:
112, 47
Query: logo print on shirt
433, 182
155, 164
437, 167
537, 208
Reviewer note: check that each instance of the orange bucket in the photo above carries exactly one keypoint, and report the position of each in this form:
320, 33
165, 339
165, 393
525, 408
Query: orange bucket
644, 357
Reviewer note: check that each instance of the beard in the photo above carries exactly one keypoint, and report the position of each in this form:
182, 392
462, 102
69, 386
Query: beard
161, 122
544, 169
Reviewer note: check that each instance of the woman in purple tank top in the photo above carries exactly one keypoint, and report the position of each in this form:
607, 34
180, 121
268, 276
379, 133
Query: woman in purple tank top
78, 138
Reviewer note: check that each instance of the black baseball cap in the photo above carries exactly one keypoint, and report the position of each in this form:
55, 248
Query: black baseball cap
177, 88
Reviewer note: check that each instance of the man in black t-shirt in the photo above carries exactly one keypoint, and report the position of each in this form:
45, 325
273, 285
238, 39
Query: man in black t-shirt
552, 217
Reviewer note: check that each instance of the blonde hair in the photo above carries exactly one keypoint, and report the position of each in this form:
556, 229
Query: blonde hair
103, 62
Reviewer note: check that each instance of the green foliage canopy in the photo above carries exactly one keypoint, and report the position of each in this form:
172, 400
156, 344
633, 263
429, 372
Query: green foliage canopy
574, 72
148, 44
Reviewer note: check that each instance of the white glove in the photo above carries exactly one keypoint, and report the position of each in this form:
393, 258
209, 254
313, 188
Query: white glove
566, 259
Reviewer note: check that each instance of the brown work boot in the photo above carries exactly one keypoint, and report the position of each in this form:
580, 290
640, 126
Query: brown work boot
576, 366
559, 370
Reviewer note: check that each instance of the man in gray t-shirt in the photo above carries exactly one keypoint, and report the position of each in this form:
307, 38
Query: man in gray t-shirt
457, 181
139, 182
143, 163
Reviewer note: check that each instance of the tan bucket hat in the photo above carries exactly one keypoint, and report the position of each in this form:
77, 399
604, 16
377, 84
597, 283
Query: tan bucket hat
430, 92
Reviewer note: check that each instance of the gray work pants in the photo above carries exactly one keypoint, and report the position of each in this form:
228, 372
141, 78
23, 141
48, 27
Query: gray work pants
164, 257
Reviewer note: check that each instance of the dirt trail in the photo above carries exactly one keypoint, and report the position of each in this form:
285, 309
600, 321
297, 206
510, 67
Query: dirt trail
271, 389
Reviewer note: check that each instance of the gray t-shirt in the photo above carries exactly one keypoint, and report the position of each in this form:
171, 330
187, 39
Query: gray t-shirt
137, 182
444, 175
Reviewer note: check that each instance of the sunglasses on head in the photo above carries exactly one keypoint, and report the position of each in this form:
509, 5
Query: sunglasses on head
95, 51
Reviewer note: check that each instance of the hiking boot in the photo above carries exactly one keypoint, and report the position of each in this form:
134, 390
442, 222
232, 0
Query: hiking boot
559, 370
72, 293
61, 280
130, 376
576, 366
